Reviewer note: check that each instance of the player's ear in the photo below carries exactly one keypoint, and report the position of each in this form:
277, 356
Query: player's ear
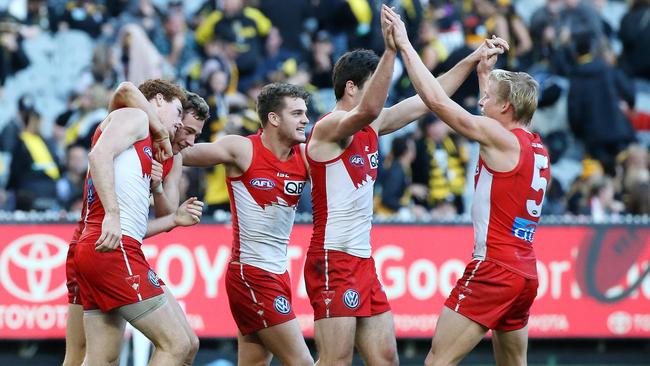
505, 105
350, 88
159, 99
274, 119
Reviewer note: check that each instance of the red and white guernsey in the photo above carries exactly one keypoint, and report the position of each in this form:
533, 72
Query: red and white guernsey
342, 196
132, 188
507, 205
263, 203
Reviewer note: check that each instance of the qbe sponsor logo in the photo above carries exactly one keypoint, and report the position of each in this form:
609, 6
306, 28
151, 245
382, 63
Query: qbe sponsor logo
294, 187
374, 160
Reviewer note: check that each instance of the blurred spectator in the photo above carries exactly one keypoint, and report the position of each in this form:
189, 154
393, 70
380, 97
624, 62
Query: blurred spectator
140, 60
77, 124
247, 26
639, 199
396, 177
545, 28
602, 203
12, 54
34, 169
439, 168
321, 60
176, 41
84, 15
521, 44
635, 36
69, 187
289, 17
595, 92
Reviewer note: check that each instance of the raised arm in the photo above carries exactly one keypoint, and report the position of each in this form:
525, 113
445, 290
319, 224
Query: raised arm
342, 124
116, 137
410, 109
482, 129
127, 95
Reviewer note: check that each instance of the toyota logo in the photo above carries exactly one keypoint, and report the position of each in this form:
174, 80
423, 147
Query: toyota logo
27, 266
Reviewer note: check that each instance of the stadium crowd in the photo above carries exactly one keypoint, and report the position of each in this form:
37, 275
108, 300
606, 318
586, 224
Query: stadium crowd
60, 60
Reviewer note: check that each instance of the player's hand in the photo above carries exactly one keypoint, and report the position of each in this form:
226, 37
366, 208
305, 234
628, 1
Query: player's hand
111, 233
162, 145
489, 53
189, 213
490, 47
156, 175
387, 32
400, 37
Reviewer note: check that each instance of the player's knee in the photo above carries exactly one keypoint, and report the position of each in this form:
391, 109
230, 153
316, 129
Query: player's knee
389, 356
180, 348
304, 360
434, 359
194, 343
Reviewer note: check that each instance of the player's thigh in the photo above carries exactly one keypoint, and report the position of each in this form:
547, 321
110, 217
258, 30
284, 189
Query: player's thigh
74, 328
104, 333
510, 347
455, 336
181, 317
75, 337
335, 337
251, 351
164, 329
375, 339
287, 343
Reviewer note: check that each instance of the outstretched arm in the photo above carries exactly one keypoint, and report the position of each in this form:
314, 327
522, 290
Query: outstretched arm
127, 95
230, 149
482, 129
410, 109
188, 214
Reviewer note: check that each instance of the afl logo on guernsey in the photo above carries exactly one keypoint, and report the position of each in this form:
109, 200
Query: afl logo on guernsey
282, 305
148, 152
351, 299
357, 160
262, 183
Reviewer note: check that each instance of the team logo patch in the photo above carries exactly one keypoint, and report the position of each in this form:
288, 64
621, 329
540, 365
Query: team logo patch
294, 187
263, 183
351, 299
524, 229
153, 278
148, 152
91, 191
374, 160
134, 282
282, 305
357, 160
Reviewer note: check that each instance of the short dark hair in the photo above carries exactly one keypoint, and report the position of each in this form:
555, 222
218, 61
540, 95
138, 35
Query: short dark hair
356, 66
196, 105
271, 98
169, 90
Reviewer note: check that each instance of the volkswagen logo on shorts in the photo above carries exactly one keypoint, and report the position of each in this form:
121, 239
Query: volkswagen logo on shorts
30, 268
282, 305
262, 183
357, 160
153, 278
147, 151
351, 299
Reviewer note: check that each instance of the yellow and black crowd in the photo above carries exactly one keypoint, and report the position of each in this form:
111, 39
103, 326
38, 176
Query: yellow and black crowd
60, 61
